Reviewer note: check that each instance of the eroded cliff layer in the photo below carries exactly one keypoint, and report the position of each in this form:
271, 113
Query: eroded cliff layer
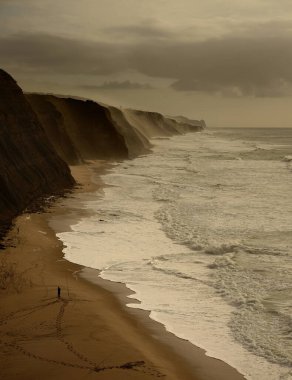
29, 165
83, 129
79, 130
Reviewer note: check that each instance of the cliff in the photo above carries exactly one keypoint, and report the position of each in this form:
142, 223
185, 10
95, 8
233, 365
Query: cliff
40, 135
79, 130
29, 165
83, 129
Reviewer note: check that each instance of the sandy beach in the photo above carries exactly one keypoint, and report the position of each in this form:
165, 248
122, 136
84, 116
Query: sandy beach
87, 332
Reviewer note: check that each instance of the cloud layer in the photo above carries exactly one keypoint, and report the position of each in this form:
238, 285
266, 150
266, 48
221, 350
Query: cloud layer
256, 64
115, 85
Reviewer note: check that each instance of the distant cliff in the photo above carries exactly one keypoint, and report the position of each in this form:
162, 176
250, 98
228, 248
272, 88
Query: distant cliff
83, 129
40, 135
29, 165
79, 130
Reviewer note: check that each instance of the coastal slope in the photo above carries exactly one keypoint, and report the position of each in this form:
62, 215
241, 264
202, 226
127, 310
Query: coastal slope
84, 126
82, 130
29, 165
41, 135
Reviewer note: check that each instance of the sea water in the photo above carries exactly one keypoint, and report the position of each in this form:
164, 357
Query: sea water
201, 231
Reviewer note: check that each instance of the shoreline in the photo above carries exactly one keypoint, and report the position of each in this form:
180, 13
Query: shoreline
202, 366
130, 343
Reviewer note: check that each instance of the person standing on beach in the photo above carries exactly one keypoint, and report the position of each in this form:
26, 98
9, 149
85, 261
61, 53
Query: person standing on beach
59, 292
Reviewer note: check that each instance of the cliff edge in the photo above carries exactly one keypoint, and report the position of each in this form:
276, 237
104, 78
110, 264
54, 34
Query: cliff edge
83, 129
29, 165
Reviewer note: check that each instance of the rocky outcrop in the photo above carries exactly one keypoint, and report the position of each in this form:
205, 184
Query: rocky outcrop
29, 165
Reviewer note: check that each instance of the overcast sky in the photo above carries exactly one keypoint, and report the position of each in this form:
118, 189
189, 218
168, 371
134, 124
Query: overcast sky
229, 62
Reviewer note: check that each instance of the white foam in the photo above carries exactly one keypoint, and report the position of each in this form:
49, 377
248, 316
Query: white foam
204, 248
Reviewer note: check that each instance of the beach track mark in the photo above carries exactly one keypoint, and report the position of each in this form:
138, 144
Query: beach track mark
89, 365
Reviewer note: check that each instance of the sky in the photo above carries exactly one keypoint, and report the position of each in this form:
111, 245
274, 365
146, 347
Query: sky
227, 62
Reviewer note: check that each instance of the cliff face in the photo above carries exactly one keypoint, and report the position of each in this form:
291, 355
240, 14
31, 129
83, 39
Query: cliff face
39, 134
84, 126
81, 130
29, 165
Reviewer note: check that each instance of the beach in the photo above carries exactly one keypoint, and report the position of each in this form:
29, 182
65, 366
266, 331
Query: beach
145, 190
88, 332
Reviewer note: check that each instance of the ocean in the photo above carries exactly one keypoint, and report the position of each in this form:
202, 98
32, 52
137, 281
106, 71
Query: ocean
201, 231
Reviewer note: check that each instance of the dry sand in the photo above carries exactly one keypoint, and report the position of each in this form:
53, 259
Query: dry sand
87, 333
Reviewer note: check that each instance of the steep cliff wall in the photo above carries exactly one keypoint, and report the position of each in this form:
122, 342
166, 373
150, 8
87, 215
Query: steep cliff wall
54, 123
29, 165
136, 142
85, 126
39, 132
81, 130
151, 124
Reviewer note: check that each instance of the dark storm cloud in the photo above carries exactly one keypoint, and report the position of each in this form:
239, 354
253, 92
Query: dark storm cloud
259, 65
247, 65
250, 66
61, 55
